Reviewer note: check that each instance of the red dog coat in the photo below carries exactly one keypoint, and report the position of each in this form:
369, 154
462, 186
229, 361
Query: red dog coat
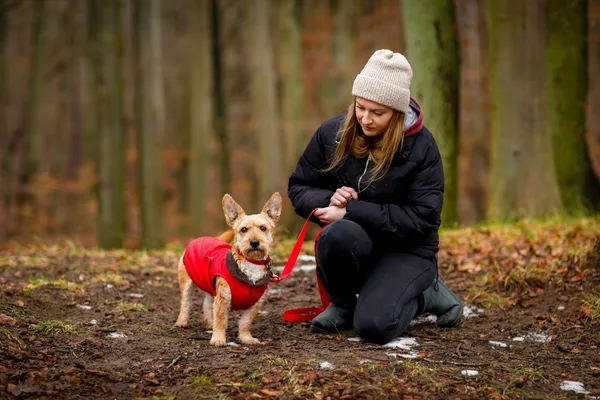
206, 258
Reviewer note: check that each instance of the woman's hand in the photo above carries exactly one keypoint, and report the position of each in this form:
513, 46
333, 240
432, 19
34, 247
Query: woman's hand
342, 196
329, 214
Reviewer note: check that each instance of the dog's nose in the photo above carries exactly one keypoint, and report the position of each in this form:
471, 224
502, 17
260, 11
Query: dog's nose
254, 243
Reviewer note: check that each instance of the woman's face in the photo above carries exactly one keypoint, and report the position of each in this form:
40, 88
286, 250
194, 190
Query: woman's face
372, 117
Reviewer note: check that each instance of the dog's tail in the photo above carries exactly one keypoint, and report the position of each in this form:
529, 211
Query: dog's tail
226, 236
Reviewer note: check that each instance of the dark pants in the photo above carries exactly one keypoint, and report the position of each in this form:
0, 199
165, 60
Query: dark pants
388, 282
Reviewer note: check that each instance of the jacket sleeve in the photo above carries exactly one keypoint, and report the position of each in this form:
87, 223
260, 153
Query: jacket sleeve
307, 186
418, 216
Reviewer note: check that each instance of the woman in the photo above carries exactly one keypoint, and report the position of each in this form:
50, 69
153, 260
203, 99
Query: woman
375, 177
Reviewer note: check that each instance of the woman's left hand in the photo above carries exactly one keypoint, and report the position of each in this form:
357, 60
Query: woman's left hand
329, 214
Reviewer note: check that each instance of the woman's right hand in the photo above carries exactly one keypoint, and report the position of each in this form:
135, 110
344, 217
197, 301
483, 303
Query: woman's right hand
342, 196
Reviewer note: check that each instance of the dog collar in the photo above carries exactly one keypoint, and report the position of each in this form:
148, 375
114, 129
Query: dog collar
266, 261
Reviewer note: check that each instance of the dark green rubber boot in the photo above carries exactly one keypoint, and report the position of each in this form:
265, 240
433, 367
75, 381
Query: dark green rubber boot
335, 318
439, 300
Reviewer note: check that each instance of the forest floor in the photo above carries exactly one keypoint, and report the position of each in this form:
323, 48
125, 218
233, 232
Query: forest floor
89, 324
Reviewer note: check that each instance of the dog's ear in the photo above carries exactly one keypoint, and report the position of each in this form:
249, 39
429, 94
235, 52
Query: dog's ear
232, 210
273, 207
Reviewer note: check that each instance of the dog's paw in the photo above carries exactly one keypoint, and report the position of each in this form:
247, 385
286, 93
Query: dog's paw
181, 323
249, 340
208, 324
218, 340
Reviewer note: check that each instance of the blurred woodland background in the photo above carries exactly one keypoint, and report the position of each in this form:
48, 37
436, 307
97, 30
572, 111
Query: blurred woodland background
123, 122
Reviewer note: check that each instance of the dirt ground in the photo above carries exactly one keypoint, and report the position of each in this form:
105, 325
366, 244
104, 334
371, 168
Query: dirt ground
78, 323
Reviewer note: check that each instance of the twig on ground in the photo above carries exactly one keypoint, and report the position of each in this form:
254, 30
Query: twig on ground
173, 362
460, 364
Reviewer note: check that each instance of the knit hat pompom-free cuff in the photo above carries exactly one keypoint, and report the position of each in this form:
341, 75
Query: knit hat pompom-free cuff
385, 79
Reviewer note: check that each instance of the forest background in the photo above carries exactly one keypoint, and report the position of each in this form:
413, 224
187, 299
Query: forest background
123, 122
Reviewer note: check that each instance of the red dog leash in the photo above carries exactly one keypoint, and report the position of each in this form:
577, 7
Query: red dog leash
303, 313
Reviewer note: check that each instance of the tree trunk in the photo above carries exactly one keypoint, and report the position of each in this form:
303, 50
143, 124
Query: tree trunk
108, 103
264, 123
150, 120
473, 122
567, 86
432, 50
337, 89
291, 93
242, 146
593, 99
523, 179
4, 133
202, 174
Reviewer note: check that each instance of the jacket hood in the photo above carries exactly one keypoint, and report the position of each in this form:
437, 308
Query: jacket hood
413, 122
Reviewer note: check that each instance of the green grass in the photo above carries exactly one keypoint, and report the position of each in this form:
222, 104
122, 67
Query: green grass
35, 284
60, 327
127, 306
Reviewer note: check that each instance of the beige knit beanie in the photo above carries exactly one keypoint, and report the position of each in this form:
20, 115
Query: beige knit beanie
385, 79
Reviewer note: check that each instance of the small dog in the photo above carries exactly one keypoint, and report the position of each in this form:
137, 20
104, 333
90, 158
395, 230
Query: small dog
233, 277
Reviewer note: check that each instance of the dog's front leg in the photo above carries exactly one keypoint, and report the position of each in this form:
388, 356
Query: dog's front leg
220, 312
246, 320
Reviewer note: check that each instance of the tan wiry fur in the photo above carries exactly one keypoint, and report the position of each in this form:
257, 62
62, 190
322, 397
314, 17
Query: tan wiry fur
244, 228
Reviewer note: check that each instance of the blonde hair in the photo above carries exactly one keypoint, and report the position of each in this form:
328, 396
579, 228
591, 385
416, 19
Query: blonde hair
382, 148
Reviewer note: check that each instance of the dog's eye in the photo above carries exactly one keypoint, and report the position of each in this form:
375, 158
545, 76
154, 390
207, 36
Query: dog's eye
263, 228
244, 230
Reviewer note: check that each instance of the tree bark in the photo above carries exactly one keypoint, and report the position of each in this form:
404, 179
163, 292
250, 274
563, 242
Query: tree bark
264, 123
289, 57
202, 174
106, 31
337, 89
567, 92
432, 50
473, 121
150, 120
242, 146
593, 97
523, 178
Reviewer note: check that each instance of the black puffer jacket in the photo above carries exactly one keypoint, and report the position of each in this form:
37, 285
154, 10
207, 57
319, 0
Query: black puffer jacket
402, 211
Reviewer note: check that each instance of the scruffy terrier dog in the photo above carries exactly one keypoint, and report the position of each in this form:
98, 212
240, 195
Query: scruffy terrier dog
233, 277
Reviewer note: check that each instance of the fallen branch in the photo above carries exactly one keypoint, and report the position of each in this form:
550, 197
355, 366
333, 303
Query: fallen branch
173, 362
460, 364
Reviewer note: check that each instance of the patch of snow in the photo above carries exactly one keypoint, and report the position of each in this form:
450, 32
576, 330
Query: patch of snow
306, 257
423, 319
136, 295
469, 372
355, 339
404, 343
116, 335
573, 386
93, 322
471, 311
412, 354
209, 331
364, 362
83, 307
534, 337
326, 365
263, 312
499, 344
560, 308
110, 286
233, 344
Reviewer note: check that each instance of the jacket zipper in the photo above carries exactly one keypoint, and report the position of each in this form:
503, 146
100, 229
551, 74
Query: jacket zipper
364, 172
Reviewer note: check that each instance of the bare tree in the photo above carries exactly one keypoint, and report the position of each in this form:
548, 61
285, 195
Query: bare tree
202, 166
106, 52
473, 121
432, 49
567, 91
523, 178
150, 120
